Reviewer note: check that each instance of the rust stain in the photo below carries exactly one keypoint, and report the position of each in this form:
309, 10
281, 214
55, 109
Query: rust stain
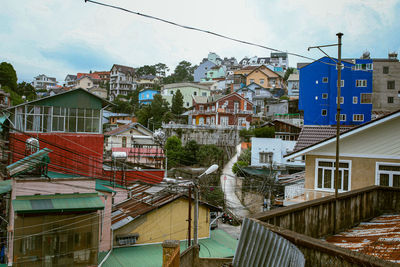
379, 237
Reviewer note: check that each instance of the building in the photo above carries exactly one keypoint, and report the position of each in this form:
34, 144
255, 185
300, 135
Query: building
228, 110
42, 211
137, 142
200, 72
188, 90
153, 214
70, 80
369, 155
270, 152
317, 97
122, 80
386, 84
147, 81
293, 85
146, 96
280, 61
215, 73
86, 82
265, 78
68, 123
275, 107
100, 92
284, 130
42, 81
256, 94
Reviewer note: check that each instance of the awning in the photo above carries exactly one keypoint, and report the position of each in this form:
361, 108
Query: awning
57, 203
5, 186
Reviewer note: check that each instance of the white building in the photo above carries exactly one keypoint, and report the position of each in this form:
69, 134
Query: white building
265, 151
44, 82
122, 80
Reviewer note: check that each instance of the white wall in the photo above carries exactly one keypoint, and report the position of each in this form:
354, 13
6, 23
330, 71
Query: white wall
278, 147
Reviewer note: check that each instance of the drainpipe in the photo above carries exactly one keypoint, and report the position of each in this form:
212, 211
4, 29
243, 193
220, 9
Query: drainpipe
109, 253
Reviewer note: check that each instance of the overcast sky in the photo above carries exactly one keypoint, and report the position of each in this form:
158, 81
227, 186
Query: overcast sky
59, 37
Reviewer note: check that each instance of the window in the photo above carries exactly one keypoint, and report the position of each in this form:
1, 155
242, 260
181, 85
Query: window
187, 104
390, 99
194, 93
366, 99
225, 121
124, 141
251, 80
387, 174
367, 66
265, 157
171, 92
385, 70
341, 100
261, 81
324, 79
324, 96
325, 175
358, 117
201, 108
342, 117
361, 83
355, 100
324, 112
390, 84
341, 83
204, 94
127, 240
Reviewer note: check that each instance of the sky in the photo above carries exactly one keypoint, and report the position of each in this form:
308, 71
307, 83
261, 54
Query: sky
59, 37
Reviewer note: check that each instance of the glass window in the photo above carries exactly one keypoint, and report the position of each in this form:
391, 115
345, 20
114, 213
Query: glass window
324, 112
326, 175
366, 99
388, 174
324, 79
390, 84
355, 100
385, 70
390, 100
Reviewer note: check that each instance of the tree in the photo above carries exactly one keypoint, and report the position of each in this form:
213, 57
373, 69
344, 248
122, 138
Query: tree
159, 106
237, 167
173, 148
245, 156
190, 152
177, 103
122, 106
209, 154
289, 71
134, 99
27, 90
264, 132
161, 69
16, 99
8, 76
146, 70
182, 73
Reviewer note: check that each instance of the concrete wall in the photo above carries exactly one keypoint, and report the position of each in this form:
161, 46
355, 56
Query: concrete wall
306, 223
380, 91
278, 147
190, 258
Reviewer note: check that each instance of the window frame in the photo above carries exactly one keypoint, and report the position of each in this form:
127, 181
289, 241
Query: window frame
360, 120
385, 70
390, 99
391, 82
361, 83
332, 189
322, 112
355, 99
326, 96
377, 171
325, 79
361, 98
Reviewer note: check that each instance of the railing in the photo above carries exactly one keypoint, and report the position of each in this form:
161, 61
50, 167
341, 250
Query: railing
220, 110
204, 126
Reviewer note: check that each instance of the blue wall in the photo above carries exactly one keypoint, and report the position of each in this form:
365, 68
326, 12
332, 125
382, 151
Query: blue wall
312, 87
201, 71
147, 95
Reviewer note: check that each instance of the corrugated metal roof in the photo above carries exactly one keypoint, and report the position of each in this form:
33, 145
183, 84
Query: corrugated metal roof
5, 186
380, 238
220, 245
26, 163
258, 246
57, 203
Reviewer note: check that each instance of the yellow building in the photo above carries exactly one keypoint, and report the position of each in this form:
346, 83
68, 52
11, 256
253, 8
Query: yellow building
265, 78
150, 217
369, 155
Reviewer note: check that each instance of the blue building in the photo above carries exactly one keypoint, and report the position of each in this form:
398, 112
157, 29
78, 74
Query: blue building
146, 95
201, 71
318, 92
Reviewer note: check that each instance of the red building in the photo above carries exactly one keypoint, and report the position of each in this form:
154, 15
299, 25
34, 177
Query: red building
227, 110
67, 123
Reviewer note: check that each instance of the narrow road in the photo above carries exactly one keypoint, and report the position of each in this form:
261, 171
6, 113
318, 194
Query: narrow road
228, 186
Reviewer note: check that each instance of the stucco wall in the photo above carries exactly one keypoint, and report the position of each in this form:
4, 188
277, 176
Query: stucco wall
167, 222
362, 170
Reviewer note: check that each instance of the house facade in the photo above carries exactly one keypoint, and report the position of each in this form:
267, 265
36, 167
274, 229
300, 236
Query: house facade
386, 84
146, 96
293, 85
122, 80
369, 155
265, 78
188, 90
68, 123
42, 81
70, 80
200, 72
317, 98
229, 110
147, 81
86, 82
256, 94
285, 130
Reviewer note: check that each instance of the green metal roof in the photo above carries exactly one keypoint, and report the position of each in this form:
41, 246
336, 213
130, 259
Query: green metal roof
256, 172
100, 186
57, 203
109, 183
220, 245
5, 186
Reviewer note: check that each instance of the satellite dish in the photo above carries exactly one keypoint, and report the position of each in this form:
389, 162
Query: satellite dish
366, 54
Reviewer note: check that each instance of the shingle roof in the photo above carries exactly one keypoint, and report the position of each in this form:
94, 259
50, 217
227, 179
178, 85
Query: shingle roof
124, 69
311, 134
293, 77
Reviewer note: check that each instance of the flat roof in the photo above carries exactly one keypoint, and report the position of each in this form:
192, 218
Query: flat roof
379, 237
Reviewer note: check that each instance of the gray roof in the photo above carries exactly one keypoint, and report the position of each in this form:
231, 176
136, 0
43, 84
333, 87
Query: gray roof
178, 85
293, 77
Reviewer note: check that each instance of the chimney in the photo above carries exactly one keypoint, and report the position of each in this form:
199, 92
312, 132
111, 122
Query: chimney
171, 253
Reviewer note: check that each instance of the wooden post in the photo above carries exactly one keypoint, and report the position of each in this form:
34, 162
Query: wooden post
190, 216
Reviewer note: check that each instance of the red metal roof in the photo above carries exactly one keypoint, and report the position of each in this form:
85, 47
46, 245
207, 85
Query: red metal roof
140, 152
380, 238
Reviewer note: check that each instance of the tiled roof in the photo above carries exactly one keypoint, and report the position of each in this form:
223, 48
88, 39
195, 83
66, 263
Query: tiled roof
311, 134
125, 69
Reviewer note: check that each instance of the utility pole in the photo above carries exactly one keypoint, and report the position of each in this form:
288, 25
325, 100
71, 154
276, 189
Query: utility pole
339, 85
196, 215
190, 216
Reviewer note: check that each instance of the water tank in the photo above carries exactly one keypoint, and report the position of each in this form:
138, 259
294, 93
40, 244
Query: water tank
119, 155
366, 55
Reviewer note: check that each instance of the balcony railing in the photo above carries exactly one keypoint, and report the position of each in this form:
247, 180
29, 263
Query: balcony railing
220, 110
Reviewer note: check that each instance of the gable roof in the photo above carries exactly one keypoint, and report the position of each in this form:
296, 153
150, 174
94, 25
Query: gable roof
124, 69
127, 127
261, 69
178, 85
342, 135
103, 101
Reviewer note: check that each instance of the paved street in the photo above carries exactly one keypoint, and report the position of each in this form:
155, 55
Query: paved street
228, 186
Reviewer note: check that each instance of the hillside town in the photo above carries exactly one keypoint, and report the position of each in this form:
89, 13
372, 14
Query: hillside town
229, 160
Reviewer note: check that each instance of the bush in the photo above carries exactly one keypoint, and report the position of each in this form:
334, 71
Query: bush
236, 168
